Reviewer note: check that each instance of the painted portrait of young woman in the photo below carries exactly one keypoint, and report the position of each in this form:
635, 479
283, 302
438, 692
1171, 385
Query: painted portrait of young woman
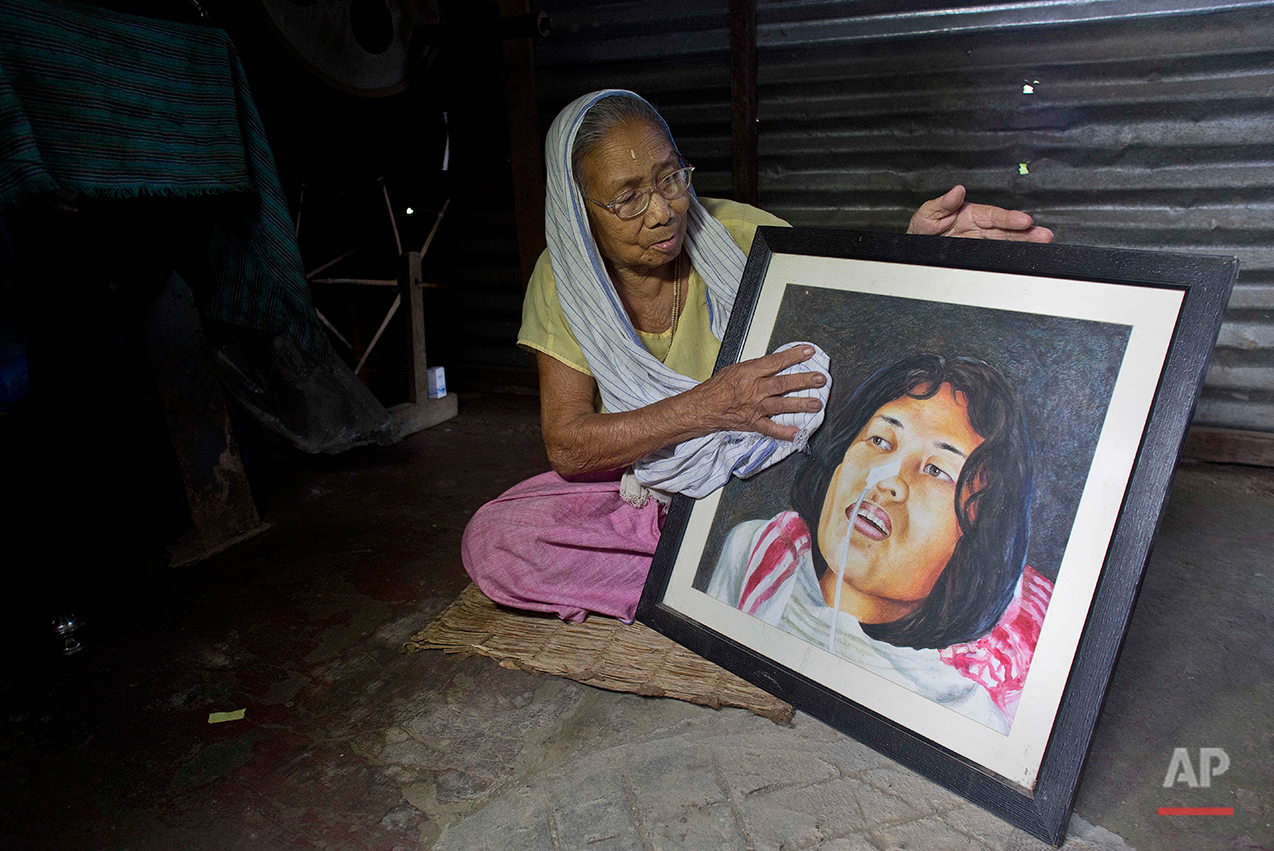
920, 534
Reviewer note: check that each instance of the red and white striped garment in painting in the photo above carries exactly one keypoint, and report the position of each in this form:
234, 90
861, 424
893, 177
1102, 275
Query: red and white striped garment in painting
998, 661
782, 544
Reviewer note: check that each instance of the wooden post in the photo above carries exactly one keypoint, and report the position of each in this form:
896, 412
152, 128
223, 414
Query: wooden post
526, 148
413, 300
419, 412
743, 96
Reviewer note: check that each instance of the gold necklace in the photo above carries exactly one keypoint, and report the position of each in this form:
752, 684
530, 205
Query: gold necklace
676, 304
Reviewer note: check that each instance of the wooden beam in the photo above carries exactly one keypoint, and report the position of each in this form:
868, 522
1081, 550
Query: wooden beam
743, 95
333, 261
384, 323
526, 148
393, 220
362, 282
332, 328
1230, 446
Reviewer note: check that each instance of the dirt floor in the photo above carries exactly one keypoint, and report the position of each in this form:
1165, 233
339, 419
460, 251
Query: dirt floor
347, 742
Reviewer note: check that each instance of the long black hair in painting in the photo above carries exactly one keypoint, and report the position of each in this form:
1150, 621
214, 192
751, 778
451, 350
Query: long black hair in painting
992, 503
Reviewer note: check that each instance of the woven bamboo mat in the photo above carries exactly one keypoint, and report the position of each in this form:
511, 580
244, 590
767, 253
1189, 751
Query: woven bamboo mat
601, 652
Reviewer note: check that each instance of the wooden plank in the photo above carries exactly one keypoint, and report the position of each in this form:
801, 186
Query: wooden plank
1230, 446
526, 147
743, 95
413, 300
217, 492
413, 417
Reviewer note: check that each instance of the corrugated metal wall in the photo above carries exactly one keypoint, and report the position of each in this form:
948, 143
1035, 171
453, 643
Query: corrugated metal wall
1146, 124
474, 329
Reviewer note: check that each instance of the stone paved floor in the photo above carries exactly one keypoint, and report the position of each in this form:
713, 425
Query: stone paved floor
732, 780
350, 744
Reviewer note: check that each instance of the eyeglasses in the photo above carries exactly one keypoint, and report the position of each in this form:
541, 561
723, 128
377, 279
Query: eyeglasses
634, 202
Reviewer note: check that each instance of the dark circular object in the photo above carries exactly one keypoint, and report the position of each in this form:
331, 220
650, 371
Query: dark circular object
363, 47
372, 25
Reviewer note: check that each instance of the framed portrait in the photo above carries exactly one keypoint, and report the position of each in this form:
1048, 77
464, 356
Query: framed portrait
947, 570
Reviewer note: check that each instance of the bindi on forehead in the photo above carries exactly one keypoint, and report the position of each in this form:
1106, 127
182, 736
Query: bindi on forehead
630, 156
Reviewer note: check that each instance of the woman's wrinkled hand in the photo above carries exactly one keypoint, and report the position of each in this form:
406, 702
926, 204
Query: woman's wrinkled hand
951, 215
746, 396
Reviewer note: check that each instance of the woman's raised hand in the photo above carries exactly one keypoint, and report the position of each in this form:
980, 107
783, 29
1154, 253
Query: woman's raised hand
952, 215
745, 396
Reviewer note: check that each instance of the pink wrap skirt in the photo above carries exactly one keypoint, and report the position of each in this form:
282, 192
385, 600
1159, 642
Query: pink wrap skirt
564, 547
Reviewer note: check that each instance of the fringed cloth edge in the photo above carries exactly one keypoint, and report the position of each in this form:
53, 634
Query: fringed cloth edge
600, 652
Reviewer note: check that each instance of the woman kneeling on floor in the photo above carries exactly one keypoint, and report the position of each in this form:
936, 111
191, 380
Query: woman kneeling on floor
625, 311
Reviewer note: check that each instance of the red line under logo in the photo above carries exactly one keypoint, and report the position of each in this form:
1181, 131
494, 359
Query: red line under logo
1196, 811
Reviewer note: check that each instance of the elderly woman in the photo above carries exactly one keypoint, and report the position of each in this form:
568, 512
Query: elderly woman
625, 312
906, 551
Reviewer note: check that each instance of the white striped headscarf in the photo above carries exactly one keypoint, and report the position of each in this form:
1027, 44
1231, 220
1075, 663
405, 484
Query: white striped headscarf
627, 375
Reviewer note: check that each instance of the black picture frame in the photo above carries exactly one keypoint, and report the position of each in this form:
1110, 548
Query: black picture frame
1041, 807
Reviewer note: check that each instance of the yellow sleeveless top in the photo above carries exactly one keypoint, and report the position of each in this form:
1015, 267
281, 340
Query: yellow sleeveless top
694, 349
